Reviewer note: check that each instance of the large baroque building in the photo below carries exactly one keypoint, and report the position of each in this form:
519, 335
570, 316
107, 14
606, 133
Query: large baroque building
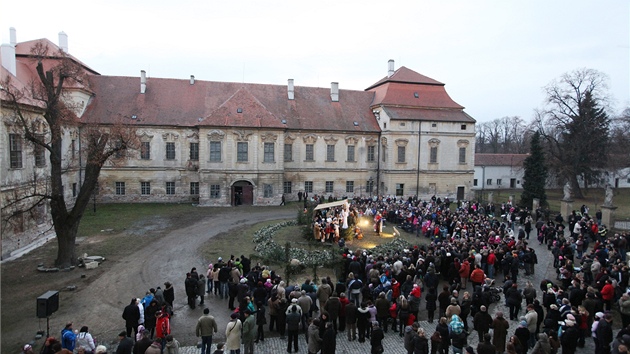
222, 143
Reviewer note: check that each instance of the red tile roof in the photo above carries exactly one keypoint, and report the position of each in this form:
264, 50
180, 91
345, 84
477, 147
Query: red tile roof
23, 49
408, 76
514, 160
172, 102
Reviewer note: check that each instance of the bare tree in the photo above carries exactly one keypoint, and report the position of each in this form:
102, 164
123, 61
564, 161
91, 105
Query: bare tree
507, 135
575, 126
47, 96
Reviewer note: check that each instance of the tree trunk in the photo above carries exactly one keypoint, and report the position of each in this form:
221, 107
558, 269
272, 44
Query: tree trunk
66, 238
575, 187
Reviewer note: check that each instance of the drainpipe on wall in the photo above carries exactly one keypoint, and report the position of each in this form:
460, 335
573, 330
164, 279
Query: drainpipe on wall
378, 167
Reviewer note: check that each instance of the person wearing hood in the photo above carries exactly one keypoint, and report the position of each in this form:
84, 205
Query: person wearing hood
453, 309
169, 295
376, 338
363, 316
154, 348
522, 333
172, 345
457, 334
542, 345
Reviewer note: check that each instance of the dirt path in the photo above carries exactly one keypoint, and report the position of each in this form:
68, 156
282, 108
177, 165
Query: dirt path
165, 258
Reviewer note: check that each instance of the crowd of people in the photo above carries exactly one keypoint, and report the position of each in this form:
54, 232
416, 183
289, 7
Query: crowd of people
471, 257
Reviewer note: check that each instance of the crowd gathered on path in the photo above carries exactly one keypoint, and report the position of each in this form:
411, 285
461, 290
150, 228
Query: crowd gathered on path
469, 258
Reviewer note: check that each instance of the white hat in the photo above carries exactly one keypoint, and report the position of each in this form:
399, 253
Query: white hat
243, 280
294, 300
599, 315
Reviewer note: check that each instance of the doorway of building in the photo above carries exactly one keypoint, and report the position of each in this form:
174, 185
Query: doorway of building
242, 193
460, 193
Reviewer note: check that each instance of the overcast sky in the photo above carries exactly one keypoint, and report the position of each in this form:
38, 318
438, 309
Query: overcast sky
493, 56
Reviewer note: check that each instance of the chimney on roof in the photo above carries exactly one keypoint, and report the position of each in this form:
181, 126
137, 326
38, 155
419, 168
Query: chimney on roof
334, 91
63, 41
390, 67
12, 36
291, 90
192, 79
7, 52
143, 81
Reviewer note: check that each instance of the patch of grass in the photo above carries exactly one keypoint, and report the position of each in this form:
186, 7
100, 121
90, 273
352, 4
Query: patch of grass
120, 217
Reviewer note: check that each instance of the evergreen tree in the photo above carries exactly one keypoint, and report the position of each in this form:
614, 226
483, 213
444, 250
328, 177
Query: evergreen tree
535, 176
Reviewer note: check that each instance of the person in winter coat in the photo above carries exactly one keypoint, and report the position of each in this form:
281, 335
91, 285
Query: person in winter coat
410, 334
486, 346
172, 344
465, 309
351, 321
500, 327
403, 313
293, 327
444, 298
464, 273
314, 340
329, 341
131, 315
169, 295
281, 311
569, 338
522, 333
382, 311
420, 343
514, 299
431, 305
482, 322
85, 341
542, 345
149, 317
333, 307
233, 333
201, 288
159, 296
363, 316
249, 332
261, 321
445, 341
154, 348
376, 338
162, 325
453, 309
191, 290
143, 344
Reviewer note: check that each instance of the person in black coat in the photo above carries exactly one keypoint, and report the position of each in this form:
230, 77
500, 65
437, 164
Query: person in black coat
486, 347
191, 289
261, 321
329, 340
430, 298
445, 344
169, 295
376, 338
420, 343
131, 315
569, 338
514, 299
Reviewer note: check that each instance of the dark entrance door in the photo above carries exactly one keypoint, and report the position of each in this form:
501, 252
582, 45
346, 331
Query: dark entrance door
512, 183
242, 193
460, 193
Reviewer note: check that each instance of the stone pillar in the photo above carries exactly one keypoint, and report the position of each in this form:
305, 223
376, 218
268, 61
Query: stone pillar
535, 205
566, 207
608, 212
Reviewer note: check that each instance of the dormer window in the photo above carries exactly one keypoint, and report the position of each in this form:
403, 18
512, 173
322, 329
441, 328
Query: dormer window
239, 110
416, 95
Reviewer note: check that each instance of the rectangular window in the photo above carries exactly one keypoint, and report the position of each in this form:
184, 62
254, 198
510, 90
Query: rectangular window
433, 157
489, 182
268, 190
241, 152
308, 186
74, 189
384, 152
194, 188
401, 154
349, 186
330, 153
215, 191
145, 150
475, 182
463, 127
73, 147
288, 152
499, 181
15, 148
269, 152
400, 189
287, 187
170, 151
145, 188
170, 188
215, 151
194, 151
120, 188
330, 186
40, 153
371, 153
309, 152
369, 187
350, 153
462, 155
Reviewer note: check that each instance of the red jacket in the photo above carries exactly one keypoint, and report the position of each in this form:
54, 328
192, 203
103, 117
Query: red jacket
163, 326
464, 270
608, 292
477, 275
